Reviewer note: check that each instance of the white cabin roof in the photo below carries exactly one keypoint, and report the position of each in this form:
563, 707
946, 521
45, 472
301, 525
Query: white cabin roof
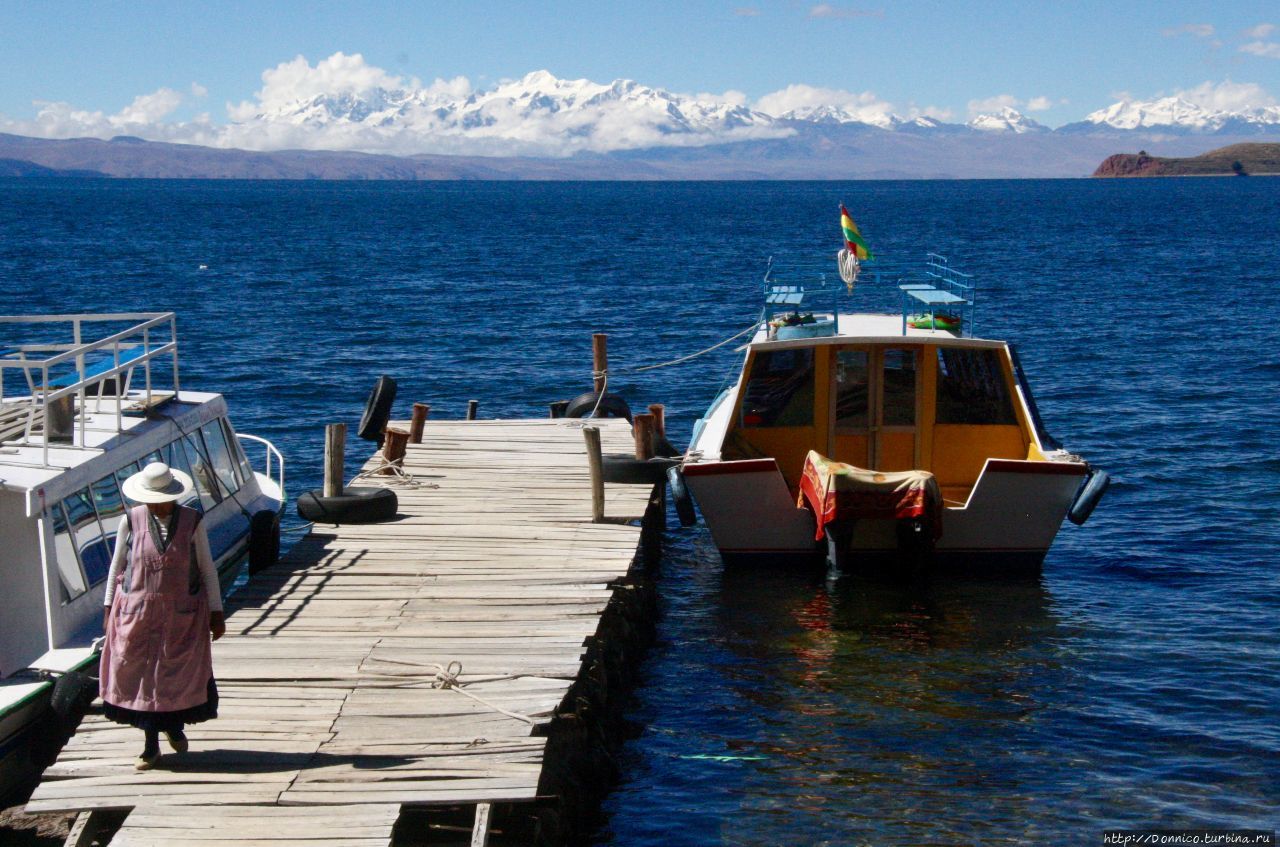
878, 328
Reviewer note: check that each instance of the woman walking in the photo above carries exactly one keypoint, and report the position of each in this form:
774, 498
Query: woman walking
163, 605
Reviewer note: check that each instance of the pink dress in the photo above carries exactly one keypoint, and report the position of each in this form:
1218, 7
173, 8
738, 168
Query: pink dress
157, 657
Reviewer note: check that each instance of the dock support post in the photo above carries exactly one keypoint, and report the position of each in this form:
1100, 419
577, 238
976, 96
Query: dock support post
335, 447
393, 450
659, 413
418, 422
84, 829
642, 429
599, 360
595, 461
480, 830
472, 405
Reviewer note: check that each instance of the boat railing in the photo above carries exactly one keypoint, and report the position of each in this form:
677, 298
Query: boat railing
931, 289
273, 459
61, 377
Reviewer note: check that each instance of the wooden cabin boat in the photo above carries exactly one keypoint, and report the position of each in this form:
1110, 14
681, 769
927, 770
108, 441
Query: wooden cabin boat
882, 393
97, 397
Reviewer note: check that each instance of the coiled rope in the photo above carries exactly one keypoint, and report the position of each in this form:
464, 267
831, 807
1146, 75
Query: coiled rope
446, 677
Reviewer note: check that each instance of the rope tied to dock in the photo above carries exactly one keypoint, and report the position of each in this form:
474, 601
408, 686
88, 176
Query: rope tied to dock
447, 678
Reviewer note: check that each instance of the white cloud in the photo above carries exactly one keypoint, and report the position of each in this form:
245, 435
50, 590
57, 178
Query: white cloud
864, 106
198, 90
992, 104
149, 108
826, 10
1198, 30
1265, 49
1227, 96
297, 81
1259, 31
1038, 104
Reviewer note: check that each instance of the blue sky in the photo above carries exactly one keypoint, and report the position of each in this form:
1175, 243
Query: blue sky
1056, 61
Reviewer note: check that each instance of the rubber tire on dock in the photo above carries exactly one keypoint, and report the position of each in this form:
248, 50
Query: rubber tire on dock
264, 540
377, 409
353, 505
611, 406
72, 693
628, 470
680, 497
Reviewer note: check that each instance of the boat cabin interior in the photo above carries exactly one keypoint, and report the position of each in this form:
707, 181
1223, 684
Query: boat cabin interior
940, 404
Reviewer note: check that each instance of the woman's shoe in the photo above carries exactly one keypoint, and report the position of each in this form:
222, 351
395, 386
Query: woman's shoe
178, 741
147, 760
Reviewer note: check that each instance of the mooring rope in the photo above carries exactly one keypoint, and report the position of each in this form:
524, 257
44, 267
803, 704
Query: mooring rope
446, 677
715, 346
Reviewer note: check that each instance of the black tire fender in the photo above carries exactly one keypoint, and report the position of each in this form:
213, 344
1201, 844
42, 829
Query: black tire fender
72, 693
628, 470
1095, 485
611, 406
377, 409
353, 505
680, 497
264, 540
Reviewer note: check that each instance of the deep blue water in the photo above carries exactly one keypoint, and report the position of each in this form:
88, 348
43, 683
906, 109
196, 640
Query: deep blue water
1133, 685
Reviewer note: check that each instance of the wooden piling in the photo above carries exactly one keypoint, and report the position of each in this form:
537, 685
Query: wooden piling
393, 449
659, 413
472, 406
335, 446
642, 428
599, 360
418, 422
595, 461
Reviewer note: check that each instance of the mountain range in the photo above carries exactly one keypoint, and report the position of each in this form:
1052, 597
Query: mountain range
541, 126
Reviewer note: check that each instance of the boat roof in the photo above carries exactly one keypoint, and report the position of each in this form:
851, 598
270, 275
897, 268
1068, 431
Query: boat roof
873, 328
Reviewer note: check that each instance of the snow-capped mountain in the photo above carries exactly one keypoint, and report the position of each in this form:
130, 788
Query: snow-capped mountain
1176, 114
1007, 119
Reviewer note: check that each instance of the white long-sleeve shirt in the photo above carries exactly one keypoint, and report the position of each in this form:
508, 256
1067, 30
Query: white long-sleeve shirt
199, 549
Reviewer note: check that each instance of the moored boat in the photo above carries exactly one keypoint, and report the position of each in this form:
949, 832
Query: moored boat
884, 434
97, 397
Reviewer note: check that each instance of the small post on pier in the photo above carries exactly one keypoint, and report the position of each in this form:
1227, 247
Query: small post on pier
595, 461
642, 430
659, 413
472, 405
599, 360
418, 422
335, 446
393, 450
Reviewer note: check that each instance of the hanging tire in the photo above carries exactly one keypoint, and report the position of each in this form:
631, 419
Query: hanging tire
680, 497
264, 540
1095, 485
611, 406
377, 409
628, 470
72, 693
353, 505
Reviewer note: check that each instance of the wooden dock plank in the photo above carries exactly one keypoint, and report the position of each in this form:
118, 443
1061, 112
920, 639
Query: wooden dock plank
329, 718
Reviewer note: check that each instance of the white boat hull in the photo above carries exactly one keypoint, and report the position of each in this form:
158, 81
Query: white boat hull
1010, 519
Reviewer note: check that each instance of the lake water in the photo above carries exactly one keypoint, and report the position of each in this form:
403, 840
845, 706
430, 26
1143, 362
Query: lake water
1133, 685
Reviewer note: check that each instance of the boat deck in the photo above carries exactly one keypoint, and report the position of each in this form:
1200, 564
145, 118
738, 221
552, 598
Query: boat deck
326, 674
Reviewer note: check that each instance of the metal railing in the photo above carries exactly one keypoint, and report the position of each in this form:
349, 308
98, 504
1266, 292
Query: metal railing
271, 452
85, 364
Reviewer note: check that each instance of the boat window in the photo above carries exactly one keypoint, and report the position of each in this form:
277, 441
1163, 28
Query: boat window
971, 388
64, 552
223, 464
110, 505
175, 455
237, 450
851, 390
780, 391
899, 388
95, 555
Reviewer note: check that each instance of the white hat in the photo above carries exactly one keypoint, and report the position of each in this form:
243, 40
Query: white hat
157, 483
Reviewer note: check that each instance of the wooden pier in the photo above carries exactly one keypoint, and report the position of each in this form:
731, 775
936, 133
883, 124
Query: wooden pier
412, 663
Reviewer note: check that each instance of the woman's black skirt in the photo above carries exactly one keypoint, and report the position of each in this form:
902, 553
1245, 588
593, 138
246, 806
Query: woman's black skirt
166, 721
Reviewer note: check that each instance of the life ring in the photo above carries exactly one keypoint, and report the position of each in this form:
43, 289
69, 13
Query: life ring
939, 321
680, 496
264, 540
610, 406
377, 409
353, 505
628, 470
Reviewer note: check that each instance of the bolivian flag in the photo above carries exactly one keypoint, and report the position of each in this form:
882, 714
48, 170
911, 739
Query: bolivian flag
852, 238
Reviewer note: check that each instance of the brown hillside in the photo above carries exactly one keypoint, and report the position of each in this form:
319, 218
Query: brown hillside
1238, 159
